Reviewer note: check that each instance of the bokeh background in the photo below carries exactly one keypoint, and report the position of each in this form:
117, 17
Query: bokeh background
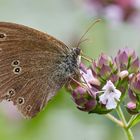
67, 20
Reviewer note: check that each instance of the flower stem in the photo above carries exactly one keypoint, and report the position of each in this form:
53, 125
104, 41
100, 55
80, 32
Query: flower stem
131, 121
127, 130
112, 118
121, 115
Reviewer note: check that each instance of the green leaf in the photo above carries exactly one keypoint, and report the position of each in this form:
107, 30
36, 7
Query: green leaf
134, 121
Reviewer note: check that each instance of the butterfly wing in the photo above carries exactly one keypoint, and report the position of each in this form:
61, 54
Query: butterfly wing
27, 60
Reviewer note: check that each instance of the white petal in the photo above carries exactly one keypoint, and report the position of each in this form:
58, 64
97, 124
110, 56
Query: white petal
108, 85
103, 99
87, 76
111, 104
117, 95
110, 96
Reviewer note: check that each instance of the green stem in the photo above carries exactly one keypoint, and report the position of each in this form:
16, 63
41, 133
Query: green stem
131, 121
121, 115
115, 120
127, 130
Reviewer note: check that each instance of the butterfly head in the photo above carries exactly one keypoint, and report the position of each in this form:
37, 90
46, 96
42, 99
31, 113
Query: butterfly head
77, 51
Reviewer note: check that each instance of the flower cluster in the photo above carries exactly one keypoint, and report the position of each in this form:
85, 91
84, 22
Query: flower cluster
114, 10
109, 81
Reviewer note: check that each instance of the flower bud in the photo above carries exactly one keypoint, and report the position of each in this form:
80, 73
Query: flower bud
135, 64
135, 83
84, 101
105, 68
131, 95
132, 108
132, 105
126, 59
123, 74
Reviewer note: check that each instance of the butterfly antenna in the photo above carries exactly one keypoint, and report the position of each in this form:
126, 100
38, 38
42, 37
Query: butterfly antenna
80, 40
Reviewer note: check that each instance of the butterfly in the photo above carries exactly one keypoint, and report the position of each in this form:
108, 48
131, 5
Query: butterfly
33, 67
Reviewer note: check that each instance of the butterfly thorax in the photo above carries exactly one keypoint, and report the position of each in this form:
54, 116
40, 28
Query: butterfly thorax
68, 65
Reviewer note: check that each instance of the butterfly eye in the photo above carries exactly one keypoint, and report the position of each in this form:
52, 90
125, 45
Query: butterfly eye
2, 35
17, 70
28, 108
20, 100
15, 63
11, 92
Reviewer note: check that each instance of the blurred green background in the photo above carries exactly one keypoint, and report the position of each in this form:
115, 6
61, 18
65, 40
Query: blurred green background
60, 120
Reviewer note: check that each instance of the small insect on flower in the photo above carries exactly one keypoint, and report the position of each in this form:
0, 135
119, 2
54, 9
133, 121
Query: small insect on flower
111, 96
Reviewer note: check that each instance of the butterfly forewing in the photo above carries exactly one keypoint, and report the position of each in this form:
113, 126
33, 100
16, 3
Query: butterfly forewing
27, 60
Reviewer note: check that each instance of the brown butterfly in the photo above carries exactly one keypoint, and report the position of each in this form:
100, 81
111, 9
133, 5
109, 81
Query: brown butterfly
33, 67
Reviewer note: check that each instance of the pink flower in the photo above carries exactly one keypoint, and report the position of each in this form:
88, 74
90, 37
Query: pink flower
115, 11
83, 99
127, 59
